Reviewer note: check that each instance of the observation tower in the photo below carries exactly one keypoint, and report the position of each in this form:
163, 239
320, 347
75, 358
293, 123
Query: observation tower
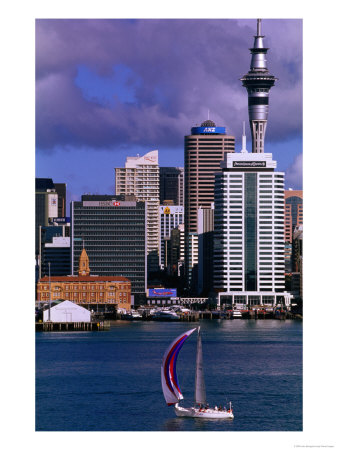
258, 82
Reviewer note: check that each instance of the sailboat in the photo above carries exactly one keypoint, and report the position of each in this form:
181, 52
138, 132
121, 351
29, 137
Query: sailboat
172, 392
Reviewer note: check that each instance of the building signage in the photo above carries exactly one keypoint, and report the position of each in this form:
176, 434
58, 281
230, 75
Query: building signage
116, 204
208, 130
166, 210
61, 219
150, 158
162, 292
249, 164
105, 203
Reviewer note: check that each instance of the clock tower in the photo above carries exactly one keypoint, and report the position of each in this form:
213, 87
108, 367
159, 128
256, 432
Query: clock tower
84, 263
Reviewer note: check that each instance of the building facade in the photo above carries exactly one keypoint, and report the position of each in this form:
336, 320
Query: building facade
86, 289
204, 149
46, 206
172, 185
170, 218
54, 248
113, 229
205, 250
249, 263
61, 189
140, 177
293, 212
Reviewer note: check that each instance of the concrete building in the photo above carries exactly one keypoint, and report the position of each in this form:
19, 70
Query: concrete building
249, 263
172, 185
54, 248
204, 149
293, 212
61, 189
140, 177
205, 250
293, 220
46, 206
113, 229
170, 218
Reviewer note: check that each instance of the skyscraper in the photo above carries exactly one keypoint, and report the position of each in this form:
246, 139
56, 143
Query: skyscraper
46, 205
293, 212
258, 82
204, 149
172, 185
170, 218
62, 200
249, 262
113, 229
140, 177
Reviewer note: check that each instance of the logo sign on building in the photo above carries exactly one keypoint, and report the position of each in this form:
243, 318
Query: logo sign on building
150, 158
208, 130
166, 210
249, 164
52, 205
162, 292
116, 203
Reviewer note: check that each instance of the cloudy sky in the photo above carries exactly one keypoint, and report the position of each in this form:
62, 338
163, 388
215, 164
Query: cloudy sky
107, 89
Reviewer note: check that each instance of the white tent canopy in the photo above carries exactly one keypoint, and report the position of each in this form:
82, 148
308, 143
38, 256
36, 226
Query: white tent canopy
67, 312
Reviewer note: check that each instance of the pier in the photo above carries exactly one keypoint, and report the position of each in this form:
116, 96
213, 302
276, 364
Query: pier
105, 322
72, 326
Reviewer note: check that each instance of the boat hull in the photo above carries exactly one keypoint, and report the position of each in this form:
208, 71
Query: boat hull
204, 414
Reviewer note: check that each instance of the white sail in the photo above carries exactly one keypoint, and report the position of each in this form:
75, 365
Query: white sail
200, 395
170, 386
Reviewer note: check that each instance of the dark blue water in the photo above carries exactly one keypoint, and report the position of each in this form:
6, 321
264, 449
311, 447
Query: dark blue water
110, 381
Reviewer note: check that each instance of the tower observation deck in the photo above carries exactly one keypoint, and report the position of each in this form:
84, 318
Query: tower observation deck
258, 82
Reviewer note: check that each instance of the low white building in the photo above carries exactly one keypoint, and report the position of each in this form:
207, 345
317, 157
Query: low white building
67, 312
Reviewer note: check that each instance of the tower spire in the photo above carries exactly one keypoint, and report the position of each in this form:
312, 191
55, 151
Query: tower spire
84, 263
258, 82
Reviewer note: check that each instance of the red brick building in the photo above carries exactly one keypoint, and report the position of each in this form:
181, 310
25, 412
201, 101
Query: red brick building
85, 288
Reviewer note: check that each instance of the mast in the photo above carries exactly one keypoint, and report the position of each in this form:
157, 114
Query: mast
200, 395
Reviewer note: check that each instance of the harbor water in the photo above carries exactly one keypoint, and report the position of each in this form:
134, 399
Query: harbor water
110, 380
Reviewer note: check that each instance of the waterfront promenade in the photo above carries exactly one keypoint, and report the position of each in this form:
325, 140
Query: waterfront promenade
102, 322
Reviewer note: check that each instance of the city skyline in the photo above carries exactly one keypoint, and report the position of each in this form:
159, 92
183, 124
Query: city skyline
99, 101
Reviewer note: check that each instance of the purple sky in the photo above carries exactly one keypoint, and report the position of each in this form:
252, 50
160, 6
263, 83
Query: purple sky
106, 89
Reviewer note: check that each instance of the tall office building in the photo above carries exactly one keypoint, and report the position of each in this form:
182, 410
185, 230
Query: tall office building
113, 230
204, 149
140, 177
172, 185
293, 219
46, 205
170, 218
205, 250
293, 212
249, 261
61, 192
54, 248
258, 82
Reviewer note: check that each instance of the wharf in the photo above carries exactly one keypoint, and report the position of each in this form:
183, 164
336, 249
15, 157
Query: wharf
72, 326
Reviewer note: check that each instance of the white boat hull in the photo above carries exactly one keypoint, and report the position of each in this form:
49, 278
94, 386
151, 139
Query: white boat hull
204, 414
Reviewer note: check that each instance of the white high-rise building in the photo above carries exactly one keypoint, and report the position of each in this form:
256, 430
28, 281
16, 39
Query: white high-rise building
249, 261
170, 217
140, 176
